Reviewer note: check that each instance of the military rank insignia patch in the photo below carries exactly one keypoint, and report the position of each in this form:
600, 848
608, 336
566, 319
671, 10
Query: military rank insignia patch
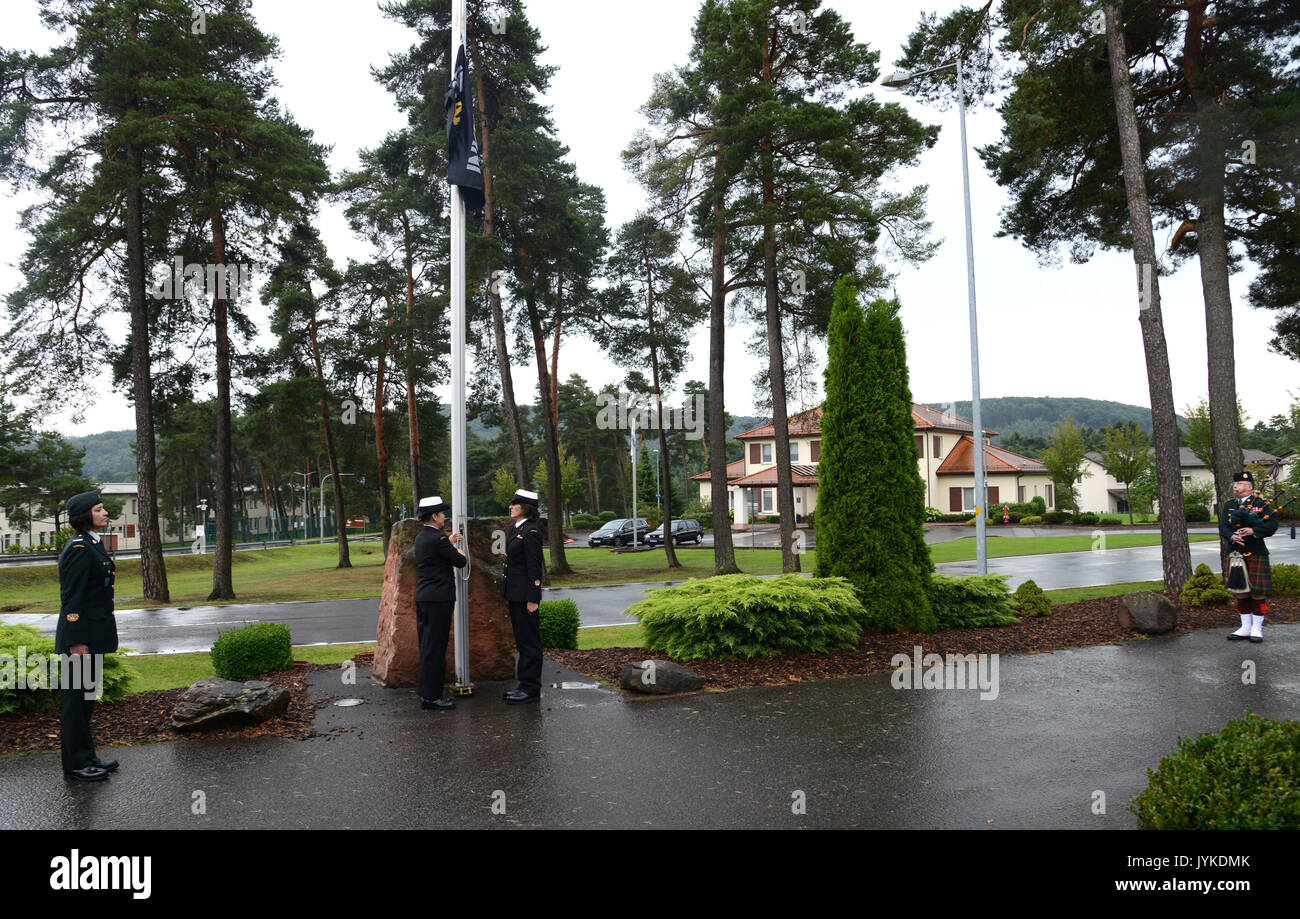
73, 617
537, 582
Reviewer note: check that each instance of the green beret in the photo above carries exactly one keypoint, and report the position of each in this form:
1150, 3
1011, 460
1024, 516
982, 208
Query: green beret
79, 504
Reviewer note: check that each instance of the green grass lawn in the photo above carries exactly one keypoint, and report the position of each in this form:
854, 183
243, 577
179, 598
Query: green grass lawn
174, 671
308, 572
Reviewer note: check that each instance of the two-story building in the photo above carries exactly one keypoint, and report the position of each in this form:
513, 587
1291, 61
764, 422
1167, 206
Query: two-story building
1101, 492
945, 462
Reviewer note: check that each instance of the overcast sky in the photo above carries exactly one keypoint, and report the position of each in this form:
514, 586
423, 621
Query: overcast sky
1070, 330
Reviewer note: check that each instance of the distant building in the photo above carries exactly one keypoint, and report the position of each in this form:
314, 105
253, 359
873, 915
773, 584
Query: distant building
1102, 493
945, 461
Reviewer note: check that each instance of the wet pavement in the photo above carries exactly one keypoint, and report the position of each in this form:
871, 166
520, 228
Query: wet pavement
855, 752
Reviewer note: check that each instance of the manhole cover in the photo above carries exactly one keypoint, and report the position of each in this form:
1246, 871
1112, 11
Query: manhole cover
569, 684
345, 703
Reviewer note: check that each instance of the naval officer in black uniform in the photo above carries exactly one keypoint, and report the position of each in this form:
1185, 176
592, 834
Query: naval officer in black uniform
436, 557
523, 591
86, 627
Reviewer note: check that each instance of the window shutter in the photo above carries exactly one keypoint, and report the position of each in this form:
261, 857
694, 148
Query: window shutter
938, 442
755, 454
954, 500
993, 494
920, 445
816, 447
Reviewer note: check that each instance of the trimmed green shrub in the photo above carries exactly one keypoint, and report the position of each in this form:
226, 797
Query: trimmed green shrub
1039, 504
1030, 521
584, 522
1246, 777
1030, 601
976, 601
1055, 517
1286, 579
933, 514
1204, 587
1197, 513
558, 622
742, 616
606, 516
37, 694
771, 518
1110, 520
1086, 519
257, 648
700, 512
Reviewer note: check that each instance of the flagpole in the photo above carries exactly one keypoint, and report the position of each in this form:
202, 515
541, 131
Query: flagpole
459, 490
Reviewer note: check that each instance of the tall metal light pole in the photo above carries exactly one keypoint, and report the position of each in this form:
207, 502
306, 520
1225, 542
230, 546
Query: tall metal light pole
322, 500
654, 451
306, 483
459, 488
897, 80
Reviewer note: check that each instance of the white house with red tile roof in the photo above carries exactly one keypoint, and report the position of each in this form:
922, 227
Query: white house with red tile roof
944, 460
1101, 492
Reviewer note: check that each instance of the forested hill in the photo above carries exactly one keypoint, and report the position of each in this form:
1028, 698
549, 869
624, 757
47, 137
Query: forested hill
1035, 416
110, 455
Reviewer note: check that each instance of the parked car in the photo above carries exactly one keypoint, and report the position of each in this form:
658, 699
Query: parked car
619, 532
683, 531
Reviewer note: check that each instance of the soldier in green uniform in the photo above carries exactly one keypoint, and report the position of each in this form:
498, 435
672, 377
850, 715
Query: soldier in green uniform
86, 627
1245, 521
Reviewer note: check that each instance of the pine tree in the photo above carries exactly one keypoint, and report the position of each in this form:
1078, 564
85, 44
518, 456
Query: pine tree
870, 499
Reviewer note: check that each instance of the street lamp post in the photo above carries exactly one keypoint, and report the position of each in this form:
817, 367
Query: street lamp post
322, 500
658, 497
897, 80
306, 476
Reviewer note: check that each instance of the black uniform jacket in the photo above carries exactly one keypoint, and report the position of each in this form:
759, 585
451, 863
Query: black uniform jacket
1252, 511
86, 575
434, 558
524, 563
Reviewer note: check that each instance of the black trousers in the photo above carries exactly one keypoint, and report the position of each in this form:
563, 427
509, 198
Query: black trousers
74, 728
433, 625
528, 639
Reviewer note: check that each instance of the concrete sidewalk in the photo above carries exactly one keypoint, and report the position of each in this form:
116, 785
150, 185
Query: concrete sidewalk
858, 752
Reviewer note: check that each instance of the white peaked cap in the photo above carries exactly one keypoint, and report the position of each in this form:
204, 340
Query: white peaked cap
435, 501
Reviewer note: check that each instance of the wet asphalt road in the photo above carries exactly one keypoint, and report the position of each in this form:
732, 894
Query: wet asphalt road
858, 752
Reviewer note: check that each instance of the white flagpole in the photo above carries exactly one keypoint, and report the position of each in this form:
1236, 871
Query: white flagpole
459, 490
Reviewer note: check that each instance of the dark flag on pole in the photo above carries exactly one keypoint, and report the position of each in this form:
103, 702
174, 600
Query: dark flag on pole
465, 168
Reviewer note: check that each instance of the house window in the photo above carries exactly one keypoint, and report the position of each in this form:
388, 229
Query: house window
767, 453
968, 499
1186, 479
794, 451
816, 448
1020, 494
938, 444
133, 506
920, 445
767, 499
1047, 490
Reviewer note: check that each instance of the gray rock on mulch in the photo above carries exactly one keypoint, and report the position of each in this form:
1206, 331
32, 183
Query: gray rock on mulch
1148, 612
660, 678
215, 702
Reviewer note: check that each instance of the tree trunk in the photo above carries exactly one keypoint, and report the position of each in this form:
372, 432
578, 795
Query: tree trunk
776, 355
381, 450
152, 572
554, 475
412, 410
328, 427
494, 293
724, 552
1212, 253
670, 549
222, 579
1175, 551
272, 512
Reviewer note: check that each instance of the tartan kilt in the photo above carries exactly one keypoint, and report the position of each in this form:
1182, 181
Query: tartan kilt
1257, 569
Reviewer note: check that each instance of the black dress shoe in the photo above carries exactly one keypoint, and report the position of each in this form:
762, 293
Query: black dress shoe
438, 704
522, 698
86, 774
513, 692
1257, 638
107, 765
1233, 636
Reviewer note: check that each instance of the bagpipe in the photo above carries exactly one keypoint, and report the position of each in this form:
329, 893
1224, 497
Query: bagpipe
1275, 476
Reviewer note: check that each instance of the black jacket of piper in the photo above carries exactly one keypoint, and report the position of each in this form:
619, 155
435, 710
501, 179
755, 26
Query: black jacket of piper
86, 575
435, 556
1253, 511
524, 563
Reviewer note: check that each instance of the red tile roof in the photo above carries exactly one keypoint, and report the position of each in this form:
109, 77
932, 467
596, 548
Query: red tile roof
961, 460
803, 475
810, 422
734, 471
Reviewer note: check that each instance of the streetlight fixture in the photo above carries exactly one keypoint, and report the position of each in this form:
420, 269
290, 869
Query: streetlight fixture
305, 485
898, 80
322, 499
658, 496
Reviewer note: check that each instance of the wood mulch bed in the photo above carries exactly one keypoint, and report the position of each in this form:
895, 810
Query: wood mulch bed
146, 717
1071, 625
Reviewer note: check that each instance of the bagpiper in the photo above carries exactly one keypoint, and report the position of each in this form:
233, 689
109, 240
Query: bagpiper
1245, 521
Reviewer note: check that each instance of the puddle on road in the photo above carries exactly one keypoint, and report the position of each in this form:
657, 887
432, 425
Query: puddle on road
346, 703
571, 684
